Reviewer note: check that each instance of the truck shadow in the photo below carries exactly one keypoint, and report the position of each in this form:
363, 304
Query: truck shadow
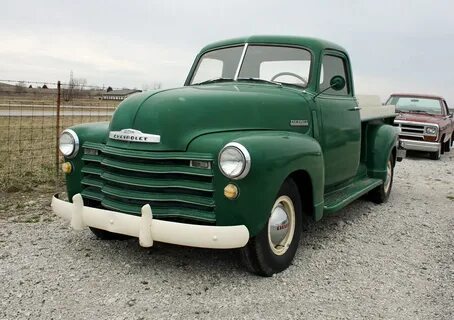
180, 261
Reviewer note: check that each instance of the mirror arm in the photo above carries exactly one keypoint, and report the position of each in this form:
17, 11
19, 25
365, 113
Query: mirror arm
330, 87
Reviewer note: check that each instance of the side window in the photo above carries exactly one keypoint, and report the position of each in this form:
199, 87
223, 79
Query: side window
333, 66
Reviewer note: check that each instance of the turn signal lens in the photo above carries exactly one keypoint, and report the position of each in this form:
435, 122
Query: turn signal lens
66, 167
231, 191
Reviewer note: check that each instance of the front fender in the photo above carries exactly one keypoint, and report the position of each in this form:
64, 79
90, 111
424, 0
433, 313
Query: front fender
274, 156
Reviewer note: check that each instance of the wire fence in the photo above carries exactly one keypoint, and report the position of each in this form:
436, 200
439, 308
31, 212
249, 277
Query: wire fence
32, 115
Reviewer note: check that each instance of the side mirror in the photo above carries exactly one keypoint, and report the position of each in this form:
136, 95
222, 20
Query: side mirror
337, 83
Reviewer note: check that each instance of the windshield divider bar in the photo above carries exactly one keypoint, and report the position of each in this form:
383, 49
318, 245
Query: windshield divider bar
240, 63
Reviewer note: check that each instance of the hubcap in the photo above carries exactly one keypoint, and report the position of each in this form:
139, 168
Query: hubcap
281, 225
389, 172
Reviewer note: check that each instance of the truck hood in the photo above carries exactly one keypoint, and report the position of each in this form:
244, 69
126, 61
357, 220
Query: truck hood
419, 117
182, 114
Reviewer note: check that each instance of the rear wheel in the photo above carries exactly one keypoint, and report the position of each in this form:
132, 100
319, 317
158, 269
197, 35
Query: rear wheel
382, 192
273, 249
448, 145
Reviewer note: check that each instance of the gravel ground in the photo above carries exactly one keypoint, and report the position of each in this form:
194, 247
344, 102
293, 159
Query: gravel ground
390, 261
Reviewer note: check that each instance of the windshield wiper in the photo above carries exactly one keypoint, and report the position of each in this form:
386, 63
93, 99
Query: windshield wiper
213, 81
419, 111
260, 80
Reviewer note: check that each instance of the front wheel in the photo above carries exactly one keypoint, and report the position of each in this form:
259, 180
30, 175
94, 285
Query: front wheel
382, 192
437, 154
273, 249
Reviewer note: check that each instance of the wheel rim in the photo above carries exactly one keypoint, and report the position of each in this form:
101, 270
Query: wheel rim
281, 225
389, 173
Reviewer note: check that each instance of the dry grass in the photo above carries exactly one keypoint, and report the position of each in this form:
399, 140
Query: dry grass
28, 149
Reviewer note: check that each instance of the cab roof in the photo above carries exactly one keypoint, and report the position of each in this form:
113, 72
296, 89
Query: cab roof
311, 43
416, 95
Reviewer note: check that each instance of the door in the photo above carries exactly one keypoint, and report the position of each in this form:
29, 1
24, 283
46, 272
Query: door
450, 118
341, 124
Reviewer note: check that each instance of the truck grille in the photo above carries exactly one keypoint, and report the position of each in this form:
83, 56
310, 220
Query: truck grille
125, 180
409, 130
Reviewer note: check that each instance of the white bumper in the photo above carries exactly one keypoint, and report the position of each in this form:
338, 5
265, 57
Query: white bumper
148, 229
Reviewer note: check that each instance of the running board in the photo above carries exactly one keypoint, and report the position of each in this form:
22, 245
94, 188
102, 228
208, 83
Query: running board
338, 199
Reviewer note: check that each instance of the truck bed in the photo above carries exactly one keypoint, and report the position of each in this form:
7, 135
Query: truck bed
372, 108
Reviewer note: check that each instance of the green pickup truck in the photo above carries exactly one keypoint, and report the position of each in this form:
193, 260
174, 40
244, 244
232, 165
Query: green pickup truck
265, 132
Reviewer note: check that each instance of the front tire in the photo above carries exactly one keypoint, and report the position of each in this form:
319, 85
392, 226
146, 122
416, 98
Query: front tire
273, 249
382, 192
437, 154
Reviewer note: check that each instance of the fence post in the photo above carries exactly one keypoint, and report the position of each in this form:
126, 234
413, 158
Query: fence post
57, 130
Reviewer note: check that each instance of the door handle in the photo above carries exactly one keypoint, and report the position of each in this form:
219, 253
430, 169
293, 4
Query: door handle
354, 109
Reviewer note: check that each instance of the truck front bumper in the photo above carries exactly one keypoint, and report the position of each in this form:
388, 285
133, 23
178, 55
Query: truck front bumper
148, 229
420, 145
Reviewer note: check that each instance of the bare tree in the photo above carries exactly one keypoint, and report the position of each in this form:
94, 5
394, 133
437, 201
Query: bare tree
145, 87
152, 86
20, 87
74, 87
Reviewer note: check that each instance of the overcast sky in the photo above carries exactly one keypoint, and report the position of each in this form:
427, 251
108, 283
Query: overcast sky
394, 45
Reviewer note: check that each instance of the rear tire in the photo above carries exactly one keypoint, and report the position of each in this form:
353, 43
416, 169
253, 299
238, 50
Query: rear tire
448, 145
382, 192
274, 247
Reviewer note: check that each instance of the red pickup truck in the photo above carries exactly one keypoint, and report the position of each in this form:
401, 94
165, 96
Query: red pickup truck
425, 121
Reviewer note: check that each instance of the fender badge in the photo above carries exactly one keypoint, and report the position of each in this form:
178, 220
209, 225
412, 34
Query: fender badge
134, 136
299, 123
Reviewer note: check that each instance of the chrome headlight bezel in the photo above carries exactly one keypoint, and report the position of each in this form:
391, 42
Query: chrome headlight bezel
242, 155
72, 151
431, 130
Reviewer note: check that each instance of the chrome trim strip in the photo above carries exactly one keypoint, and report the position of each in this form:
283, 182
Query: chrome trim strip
237, 72
404, 133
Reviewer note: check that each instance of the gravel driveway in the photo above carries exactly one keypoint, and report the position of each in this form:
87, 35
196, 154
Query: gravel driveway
391, 261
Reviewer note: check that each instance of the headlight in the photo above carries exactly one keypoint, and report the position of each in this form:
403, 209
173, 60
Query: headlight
431, 131
234, 161
69, 143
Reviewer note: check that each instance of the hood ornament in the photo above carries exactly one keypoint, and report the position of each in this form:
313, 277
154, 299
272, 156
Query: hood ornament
134, 136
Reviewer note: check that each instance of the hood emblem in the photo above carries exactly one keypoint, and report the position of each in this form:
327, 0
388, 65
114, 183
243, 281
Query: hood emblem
299, 123
134, 136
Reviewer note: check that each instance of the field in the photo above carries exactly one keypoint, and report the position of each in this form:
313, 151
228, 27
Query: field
29, 133
28, 148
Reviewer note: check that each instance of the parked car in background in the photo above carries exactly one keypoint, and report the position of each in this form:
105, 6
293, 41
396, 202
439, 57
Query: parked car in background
425, 121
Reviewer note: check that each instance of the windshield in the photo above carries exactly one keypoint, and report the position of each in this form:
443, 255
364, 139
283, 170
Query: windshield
418, 105
284, 65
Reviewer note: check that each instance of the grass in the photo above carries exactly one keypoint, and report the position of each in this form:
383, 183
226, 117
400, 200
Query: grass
28, 150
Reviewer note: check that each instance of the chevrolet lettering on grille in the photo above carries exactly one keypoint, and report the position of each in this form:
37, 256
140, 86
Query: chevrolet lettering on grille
134, 136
